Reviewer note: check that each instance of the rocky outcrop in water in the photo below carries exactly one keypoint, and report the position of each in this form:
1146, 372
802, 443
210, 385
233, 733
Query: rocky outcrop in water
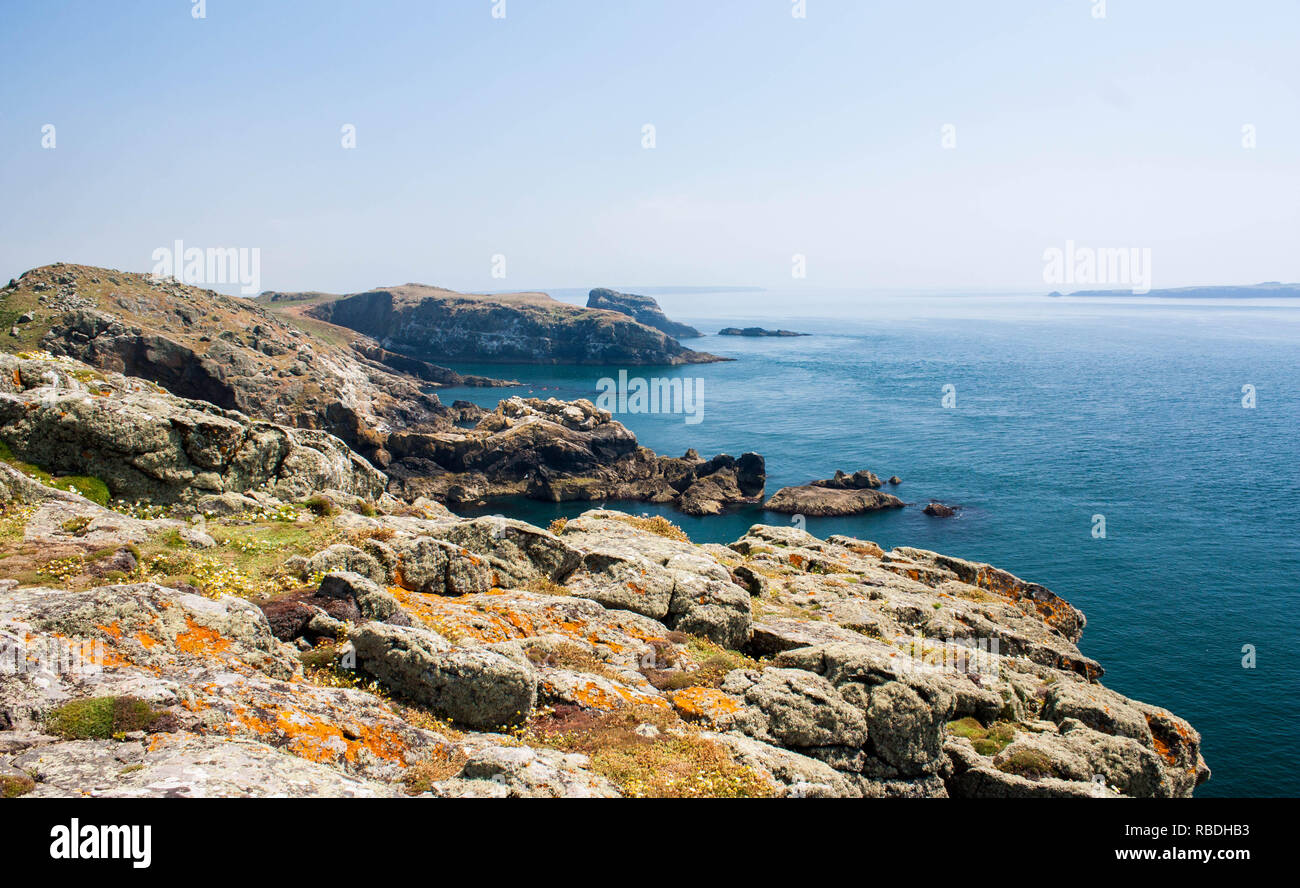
843, 494
561, 451
640, 308
528, 328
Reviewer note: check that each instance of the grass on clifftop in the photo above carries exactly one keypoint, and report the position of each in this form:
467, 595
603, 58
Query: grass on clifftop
656, 525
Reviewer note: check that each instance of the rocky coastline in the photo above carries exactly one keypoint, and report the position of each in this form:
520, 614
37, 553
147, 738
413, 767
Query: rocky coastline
222, 577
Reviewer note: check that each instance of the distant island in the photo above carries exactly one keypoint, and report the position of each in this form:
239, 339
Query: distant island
1267, 290
756, 331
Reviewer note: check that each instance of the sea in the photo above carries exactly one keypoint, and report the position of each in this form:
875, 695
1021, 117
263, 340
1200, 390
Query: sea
1136, 455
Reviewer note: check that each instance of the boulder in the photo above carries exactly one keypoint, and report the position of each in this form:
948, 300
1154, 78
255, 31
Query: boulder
478, 688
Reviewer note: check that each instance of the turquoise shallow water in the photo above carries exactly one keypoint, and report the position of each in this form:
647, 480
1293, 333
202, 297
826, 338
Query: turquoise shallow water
1065, 409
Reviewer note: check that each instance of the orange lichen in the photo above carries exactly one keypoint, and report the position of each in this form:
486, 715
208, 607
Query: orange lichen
317, 739
201, 641
592, 695
706, 704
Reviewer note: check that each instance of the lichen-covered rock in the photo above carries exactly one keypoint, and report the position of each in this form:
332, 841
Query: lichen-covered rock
471, 686
630, 568
185, 766
143, 443
797, 709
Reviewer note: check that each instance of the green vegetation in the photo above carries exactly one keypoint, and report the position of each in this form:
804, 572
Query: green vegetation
987, 741
674, 761
703, 663
102, 718
92, 489
1029, 763
12, 786
77, 526
321, 506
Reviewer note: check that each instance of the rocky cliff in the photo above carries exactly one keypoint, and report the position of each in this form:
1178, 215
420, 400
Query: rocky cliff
228, 351
641, 308
143, 443
527, 328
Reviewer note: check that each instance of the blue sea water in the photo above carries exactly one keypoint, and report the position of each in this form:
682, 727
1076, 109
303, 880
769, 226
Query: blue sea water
1065, 409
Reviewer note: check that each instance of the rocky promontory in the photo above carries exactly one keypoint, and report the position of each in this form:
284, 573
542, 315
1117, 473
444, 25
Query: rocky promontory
228, 351
561, 451
641, 308
528, 328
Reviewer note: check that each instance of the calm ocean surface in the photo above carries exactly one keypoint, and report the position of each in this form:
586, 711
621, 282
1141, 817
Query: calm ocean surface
1066, 409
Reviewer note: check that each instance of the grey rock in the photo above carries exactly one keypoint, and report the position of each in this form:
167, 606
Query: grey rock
479, 688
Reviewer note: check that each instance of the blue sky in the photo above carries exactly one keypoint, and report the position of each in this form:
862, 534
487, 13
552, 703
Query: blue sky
522, 136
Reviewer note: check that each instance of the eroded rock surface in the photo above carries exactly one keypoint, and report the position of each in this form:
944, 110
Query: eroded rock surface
146, 443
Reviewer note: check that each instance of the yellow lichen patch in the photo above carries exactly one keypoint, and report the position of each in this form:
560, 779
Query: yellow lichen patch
704, 704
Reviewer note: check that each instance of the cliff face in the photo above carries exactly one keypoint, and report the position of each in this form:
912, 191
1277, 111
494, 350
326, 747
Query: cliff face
531, 328
144, 443
641, 308
228, 351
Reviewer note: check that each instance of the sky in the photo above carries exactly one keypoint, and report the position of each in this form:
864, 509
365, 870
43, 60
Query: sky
516, 145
